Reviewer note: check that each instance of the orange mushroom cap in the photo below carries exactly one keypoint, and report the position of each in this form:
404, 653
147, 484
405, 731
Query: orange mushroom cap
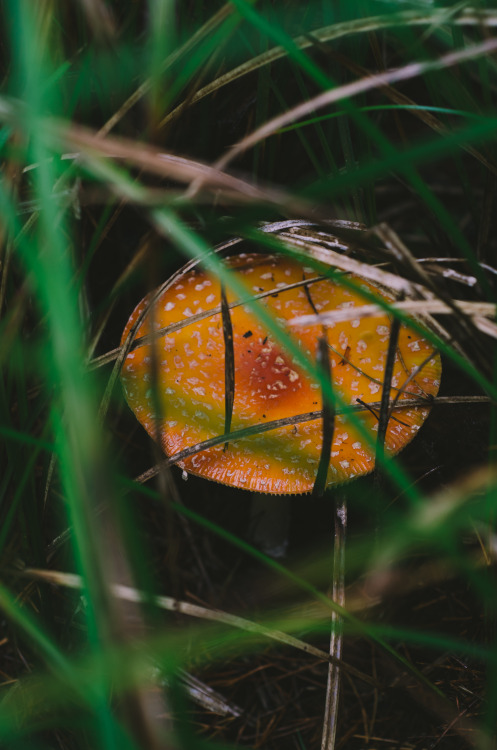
269, 384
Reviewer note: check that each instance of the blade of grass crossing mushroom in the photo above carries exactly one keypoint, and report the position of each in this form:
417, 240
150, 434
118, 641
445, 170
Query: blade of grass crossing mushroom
166, 486
385, 395
338, 591
323, 361
336, 639
384, 417
402, 391
229, 363
154, 378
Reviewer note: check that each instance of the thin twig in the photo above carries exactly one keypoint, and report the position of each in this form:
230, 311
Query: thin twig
336, 639
385, 412
129, 594
328, 422
438, 307
307, 417
229, 363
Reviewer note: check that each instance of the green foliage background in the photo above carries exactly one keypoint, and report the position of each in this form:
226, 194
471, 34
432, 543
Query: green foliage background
98, 100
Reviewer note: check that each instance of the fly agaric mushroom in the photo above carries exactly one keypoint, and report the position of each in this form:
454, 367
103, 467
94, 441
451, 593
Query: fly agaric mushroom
269, 384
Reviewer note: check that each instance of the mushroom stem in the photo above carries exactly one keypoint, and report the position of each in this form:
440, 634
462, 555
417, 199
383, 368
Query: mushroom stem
270, 524
336, 638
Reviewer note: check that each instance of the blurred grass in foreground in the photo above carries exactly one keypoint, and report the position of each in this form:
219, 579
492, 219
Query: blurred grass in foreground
374, 112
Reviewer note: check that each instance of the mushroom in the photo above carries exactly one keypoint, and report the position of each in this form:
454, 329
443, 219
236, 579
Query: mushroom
269, 383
